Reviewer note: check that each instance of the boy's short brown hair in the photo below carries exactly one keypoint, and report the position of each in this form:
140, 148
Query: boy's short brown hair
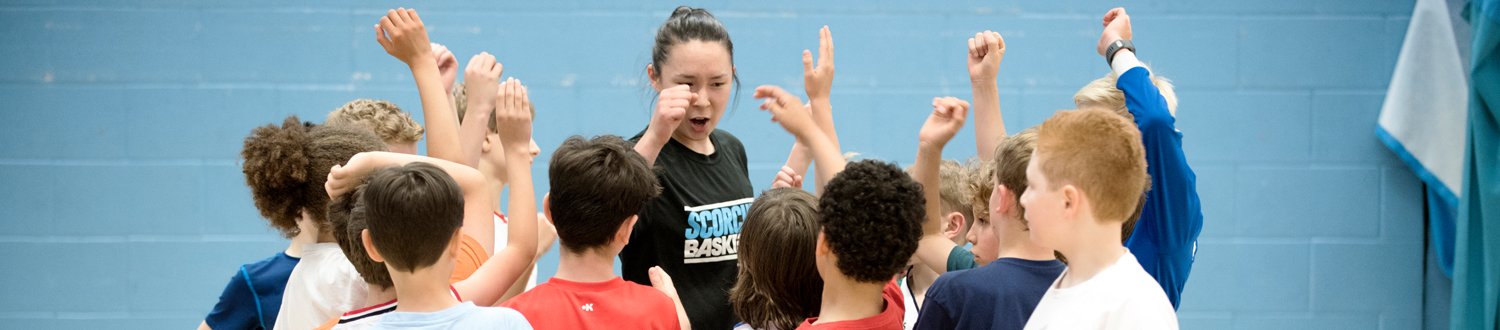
413, 212
347, 214
871, 215
954, 190
596, 185
382, 117
1099, 152
1011, 157
978, 176
286, 167
778, 284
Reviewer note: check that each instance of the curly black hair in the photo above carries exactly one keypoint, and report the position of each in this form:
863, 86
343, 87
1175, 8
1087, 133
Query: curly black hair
871, 214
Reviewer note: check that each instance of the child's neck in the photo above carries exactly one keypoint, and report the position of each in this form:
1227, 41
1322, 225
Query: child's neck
1015, 242
918, 280
326, 238
1098, 247
496, 188
379, 295
845, 299
302, 240
424, 290
587, 266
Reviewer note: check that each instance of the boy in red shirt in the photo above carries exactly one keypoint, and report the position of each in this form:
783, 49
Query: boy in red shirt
598, 186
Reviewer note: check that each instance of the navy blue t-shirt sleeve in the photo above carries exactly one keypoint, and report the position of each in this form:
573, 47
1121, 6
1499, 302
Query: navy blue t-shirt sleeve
236, 306
1172, 217
935, 313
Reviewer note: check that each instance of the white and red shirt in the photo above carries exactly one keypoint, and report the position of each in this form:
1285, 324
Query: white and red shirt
368, 317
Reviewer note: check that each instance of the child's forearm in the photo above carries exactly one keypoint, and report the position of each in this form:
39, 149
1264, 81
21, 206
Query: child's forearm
822, 110
491, 283
478, 221
799, 159
829, 161
925, 171
442, 123
471, 132
989, 123
522, 232
933, 250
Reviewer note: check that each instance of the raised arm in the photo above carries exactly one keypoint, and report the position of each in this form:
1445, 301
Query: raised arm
403, 36
818, 81
1171, 216
671, 106
789, 111
986, 49
490, 283
477, 216
447, 67
947, 118
481, 80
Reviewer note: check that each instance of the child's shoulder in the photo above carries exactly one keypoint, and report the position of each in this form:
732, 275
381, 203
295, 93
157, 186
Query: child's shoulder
498, 317
280, 262
645, 293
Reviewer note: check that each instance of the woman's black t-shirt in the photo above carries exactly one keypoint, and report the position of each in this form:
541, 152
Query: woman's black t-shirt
693, 229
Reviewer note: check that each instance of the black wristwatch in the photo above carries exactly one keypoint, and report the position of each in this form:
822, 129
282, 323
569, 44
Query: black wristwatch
1109, 53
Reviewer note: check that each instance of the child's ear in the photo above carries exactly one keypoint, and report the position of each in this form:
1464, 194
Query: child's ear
1007, 200
622, 235
822, 248
455, 243
1072, 199
953, 225
364, 238
485, 147
547, 208
653, 76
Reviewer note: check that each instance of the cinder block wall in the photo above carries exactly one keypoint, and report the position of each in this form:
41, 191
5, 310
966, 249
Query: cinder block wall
123, 205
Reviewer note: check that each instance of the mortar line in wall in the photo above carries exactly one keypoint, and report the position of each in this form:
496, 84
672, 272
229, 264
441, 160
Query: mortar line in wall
117, 162
102, 239
967, 11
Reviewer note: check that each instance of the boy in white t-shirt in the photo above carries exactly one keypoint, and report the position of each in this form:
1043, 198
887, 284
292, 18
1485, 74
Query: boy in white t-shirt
1085, 179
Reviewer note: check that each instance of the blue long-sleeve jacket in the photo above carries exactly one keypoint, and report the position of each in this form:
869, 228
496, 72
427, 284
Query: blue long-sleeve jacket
1165, 239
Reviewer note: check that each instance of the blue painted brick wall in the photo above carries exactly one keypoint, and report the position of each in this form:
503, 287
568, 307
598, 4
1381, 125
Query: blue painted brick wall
122, 204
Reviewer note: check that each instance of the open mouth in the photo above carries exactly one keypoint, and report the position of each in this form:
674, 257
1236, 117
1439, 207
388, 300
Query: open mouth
700, 124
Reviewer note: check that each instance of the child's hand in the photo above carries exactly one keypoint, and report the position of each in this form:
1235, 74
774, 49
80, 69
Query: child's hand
819, 80
788, 110
1116, 27
403, 36
947, 118
662, 282
986, 49
513, 117
447, 65
671, 107
343, 178
481, 81
787, 178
